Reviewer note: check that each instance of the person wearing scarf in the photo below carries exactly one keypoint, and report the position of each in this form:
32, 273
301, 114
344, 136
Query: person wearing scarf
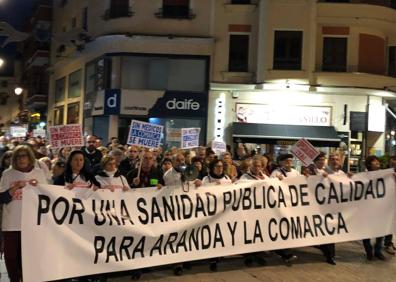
21, 173
110, 177
216, 174
255, 172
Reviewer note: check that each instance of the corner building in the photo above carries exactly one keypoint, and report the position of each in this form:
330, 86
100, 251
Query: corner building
114, 61
323, 70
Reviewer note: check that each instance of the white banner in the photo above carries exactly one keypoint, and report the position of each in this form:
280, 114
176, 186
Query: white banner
118, 231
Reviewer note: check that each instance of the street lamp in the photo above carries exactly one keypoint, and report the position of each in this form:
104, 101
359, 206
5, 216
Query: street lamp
18, 91
1, 59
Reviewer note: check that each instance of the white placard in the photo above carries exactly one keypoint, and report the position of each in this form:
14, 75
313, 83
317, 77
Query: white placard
190, 138
69, 135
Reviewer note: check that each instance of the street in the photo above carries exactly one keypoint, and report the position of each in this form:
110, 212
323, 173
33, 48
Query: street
351, 266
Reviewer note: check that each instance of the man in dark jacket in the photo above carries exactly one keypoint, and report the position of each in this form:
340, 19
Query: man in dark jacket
90, 152
150, 175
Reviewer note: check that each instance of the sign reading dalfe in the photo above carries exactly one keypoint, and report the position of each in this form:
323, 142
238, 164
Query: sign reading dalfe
304, 151
69, 135
190, 138
117, 231
145, 134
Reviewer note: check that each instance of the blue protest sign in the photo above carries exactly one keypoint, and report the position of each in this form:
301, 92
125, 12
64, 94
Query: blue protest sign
190, 138
145, 134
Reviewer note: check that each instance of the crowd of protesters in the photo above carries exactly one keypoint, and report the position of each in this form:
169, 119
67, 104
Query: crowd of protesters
116, 166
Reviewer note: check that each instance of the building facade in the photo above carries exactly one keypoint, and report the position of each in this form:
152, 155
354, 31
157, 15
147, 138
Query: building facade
326, 66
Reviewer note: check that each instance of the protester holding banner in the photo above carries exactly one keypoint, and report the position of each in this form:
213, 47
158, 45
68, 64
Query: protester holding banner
216, 174
23, 172
255, 171
170, 176
388, 240
373, 164
77, 174
318, 168
285, 168
229, 169
111, 178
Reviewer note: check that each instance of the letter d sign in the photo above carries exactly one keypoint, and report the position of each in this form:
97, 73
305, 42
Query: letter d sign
112, 102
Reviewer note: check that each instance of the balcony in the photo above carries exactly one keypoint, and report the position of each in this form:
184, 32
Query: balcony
357, 14
353, 78
384, 3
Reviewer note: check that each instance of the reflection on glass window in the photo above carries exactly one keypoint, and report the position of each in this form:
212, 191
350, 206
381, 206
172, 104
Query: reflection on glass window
74, 84
58, 115
73, 113
60, 88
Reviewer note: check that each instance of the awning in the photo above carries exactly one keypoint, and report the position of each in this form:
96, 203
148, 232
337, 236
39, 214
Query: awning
325, 136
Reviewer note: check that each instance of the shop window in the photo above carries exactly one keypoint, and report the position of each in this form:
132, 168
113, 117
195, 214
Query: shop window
175, 9
392, 61
74, 89
97, 78
60, 88
334, 54
164, 73
85, 18
287, 50
238, 54
73, 111
58, 115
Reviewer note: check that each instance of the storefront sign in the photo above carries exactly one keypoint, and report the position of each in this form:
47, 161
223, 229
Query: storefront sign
145, 134
190, 138
304, 151
120, 231
112, 102
292, 115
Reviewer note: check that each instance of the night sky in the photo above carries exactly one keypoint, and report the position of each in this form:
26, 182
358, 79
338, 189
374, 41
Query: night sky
16, 13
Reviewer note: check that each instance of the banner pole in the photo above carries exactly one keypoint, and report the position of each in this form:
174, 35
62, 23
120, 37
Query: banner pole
140, 163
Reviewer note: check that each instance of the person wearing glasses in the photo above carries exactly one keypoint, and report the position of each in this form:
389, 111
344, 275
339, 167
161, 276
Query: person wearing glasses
216, 174
21, 174
149, 175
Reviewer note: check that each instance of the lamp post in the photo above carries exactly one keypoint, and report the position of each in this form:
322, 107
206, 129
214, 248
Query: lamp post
18, 90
